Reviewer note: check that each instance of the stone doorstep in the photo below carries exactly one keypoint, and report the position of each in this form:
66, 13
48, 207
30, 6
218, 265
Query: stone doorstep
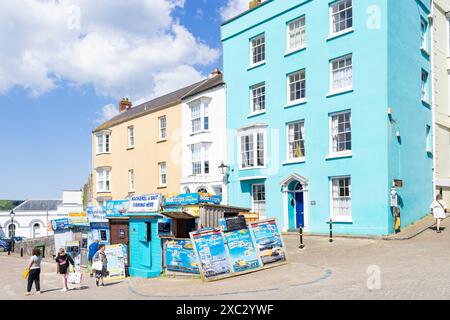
408, 233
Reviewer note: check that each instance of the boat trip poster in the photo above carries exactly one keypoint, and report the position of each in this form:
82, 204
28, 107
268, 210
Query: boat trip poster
268, 241
243, 254
180, 256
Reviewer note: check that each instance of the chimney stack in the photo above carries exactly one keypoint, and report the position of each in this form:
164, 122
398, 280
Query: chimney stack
125, 104
216, 72
253, 4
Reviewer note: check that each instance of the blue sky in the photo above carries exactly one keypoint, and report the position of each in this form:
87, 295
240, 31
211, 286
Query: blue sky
56, 84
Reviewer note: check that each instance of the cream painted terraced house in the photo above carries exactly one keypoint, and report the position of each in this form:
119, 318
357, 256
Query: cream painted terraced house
140, 150
441, 92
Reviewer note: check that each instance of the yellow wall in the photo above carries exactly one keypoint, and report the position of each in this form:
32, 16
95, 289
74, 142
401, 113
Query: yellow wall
144, 157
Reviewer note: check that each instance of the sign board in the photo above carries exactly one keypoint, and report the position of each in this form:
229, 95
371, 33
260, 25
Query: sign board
165, 227
116, 255
241, 248
116, 208
60, 224
233, 223
268, 241
192, 198
145, 204
180, 256
96, 214
398, 183
78, 218
211, 253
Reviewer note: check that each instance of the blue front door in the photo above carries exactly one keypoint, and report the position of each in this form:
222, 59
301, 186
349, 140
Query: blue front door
299, 210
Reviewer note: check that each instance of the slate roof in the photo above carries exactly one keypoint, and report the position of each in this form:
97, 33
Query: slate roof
39, 205
162, 102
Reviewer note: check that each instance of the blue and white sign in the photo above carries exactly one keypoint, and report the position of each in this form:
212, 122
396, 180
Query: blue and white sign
96, 214
116, 208
60, 224
192, 198
145, 204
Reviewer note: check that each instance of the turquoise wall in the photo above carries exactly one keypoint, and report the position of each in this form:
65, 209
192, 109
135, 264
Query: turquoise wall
371, 165
408, 159
145, 256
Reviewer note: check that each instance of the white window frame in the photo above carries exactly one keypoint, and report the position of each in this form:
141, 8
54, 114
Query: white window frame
301, 29
252, 63
288, 142
203, 159
131, 137
33, 230
302, 99
252, 98
341, 218
265, 199
162, 173
162, 127
425, 90
103, 173
105, 147
203, 104
331, 14
131, 180
346, 88
429, 139
254, 133
424, 36
333, 153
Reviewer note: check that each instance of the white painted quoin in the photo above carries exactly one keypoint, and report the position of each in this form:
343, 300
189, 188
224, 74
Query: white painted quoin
203, 139
32, 216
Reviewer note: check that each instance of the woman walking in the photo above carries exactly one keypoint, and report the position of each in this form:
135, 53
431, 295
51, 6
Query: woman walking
100, 264
438, 209
34, 267
63, 261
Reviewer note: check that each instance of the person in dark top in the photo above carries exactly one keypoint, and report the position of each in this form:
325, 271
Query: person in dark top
93, 248
63, 261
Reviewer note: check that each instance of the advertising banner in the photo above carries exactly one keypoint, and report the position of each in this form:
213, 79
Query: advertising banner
116, 255
192, 198
96, 214
243, 253
211, 253
144, 204
60, 224
180, 256
78, 218
268, 241
116, 208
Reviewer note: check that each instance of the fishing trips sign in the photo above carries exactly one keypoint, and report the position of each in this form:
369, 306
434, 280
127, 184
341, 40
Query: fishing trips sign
180, 256
211, 253
268, 241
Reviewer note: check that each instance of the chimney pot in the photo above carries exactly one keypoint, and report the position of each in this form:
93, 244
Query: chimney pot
253, 4
215, 72
125, 104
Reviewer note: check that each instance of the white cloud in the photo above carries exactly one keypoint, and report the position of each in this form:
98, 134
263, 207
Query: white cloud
233, 8
109, 111
121, 47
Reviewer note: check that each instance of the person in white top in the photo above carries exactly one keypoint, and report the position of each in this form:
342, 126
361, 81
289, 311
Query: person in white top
438, 209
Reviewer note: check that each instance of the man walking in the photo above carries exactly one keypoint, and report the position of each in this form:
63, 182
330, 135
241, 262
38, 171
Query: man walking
93, 248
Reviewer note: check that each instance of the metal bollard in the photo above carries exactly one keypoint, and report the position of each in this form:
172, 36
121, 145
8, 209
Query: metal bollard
21, 252
301, 237
331, 230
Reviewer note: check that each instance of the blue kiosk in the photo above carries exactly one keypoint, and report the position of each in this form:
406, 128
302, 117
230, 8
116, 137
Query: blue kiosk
145, 243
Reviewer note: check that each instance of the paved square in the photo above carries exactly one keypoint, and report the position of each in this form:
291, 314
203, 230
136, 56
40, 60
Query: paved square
345, 269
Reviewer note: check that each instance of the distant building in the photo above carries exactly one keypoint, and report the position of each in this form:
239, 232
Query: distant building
32, 216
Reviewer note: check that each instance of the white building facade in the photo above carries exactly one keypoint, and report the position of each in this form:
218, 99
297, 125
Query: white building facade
31, 218
204, 139
440, 27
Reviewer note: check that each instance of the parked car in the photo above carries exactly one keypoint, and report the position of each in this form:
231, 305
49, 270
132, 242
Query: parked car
18, 239
5, 245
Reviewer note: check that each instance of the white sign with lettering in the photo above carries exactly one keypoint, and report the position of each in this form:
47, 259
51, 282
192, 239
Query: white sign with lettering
145, 203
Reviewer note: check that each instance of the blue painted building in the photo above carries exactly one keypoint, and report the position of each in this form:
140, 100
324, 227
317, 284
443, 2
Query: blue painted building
328, 102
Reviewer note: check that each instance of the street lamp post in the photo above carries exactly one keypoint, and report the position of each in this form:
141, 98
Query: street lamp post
12, 214
223, 169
